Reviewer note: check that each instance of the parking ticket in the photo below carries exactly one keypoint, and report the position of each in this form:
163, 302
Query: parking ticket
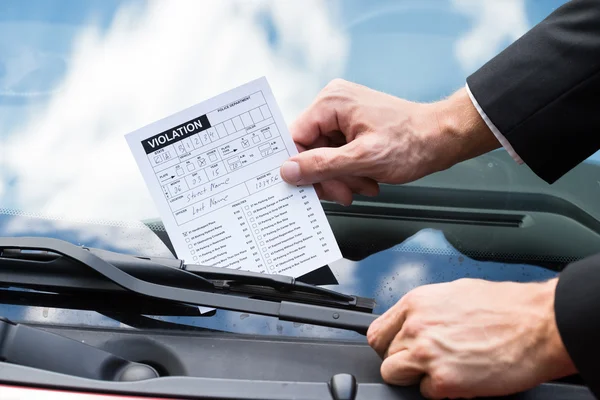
213, 172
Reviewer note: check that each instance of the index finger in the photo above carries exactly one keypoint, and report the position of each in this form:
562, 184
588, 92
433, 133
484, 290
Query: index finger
319, 119
383, 330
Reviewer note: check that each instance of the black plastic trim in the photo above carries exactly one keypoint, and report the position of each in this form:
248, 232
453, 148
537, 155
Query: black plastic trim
466, 198
24, 345
202, 388
434, 216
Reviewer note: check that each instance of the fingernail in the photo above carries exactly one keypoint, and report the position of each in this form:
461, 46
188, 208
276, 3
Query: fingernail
290, 171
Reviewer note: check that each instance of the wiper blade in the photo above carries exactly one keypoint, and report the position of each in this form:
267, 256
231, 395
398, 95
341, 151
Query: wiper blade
191, 276
171, 280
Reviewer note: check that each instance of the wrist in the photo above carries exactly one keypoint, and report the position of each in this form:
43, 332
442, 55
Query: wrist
462, 131
554, 361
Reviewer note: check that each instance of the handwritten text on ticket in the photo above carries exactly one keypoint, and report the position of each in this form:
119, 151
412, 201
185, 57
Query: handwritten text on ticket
213, 171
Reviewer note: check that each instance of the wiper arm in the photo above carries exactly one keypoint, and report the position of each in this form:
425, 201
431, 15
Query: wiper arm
191, 284
241, 281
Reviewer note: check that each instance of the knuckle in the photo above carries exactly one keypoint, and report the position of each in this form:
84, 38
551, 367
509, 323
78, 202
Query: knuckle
409, 299
467, 281
413, 327
336, 84
319, 165
372, 337
419, 294
443, 382
422, 350
335, 91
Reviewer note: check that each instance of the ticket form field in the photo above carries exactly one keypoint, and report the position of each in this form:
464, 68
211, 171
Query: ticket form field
213, 171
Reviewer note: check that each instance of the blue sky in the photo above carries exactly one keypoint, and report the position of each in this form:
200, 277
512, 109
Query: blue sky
420, 38
35, 44
84, 73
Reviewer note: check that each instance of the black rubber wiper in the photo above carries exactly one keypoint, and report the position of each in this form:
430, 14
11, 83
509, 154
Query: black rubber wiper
56, 265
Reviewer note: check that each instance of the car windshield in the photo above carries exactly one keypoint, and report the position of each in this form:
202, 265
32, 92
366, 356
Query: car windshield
76, 76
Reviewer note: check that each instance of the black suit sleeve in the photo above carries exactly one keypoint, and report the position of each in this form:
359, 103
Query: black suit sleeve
577, 309
543, 91
543, 94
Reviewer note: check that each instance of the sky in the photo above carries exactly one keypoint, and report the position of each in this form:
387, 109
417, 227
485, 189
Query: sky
76, 76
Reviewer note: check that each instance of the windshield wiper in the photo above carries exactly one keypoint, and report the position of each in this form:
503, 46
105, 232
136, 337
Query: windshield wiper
55, 265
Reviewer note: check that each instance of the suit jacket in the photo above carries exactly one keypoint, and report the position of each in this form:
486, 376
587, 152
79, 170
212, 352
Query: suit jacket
543, 94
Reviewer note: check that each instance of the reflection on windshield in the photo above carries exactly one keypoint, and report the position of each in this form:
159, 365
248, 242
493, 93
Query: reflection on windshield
73, 82
424, 258
124, 237
70, 158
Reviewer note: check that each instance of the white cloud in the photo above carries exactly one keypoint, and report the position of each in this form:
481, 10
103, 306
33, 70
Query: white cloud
131, 237
494, 25
429, 239
346, 273
405, 276
71, 158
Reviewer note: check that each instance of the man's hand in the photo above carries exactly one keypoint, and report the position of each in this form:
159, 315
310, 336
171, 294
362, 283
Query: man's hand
352, 138
472, 338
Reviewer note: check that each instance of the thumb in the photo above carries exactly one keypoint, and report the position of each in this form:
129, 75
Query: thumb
320, 164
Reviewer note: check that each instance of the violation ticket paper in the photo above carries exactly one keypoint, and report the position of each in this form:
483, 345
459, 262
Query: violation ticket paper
213, 172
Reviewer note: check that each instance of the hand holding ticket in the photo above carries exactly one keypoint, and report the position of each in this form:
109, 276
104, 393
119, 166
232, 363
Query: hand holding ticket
213, 171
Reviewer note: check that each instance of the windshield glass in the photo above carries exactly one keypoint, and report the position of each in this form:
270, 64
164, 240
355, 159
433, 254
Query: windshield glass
75, 77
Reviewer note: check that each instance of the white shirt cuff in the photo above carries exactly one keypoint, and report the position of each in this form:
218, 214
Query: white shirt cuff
507, 146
